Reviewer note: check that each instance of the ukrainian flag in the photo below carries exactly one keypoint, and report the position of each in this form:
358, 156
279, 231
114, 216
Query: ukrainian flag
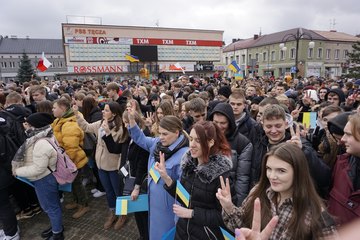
309, 119
123, 207
155, 175
182, 193
234, 67
131, 58
226, 235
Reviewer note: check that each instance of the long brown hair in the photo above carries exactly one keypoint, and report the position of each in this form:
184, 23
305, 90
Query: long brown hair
88, 105
207, 131
305, 198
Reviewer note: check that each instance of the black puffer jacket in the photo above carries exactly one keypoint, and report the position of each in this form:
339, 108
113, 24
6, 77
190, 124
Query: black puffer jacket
241, 158
202, 183
246, 127
6, 155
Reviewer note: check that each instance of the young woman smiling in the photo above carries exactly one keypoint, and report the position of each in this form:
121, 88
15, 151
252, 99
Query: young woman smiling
285, 190
208, 158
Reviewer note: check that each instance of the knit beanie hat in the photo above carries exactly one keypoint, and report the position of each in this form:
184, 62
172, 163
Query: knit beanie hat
39, 120
225, 91
337, 124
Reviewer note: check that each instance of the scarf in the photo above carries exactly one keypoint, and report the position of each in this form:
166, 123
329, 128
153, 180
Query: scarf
33, 136
167, 152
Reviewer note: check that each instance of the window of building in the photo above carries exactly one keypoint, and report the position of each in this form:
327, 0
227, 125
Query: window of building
292, 53
328, 51
226, 61
282, 55
319, 53
273, 56
337, 53
264, 57
345, 54
243, 58
257, 57
249, 56
237, 59
310, 52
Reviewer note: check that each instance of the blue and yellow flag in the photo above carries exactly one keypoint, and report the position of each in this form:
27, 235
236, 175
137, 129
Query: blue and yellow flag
123, 206
155, 175
182, 193
309, 119
234, 67
131, 58
226, 234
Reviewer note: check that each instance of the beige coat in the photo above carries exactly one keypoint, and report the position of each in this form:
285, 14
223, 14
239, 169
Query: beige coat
104, 160
38, 158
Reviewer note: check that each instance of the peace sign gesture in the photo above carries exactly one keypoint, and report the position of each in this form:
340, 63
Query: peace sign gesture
149, 119
295, 136
224, 195
161, 168
351, 99
295, 113
254, 233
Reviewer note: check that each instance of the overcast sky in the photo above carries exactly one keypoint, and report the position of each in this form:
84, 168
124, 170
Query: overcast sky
237, 18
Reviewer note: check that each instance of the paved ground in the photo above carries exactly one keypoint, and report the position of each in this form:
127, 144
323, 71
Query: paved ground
89, 227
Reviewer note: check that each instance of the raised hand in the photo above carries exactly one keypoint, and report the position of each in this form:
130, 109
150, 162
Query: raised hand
75, 109
295, 136
105, 126
149, 119
295, 113
224, 195
255, 232
160, 166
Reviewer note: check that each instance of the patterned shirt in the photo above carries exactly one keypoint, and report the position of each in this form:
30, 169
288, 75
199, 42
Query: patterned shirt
284, 212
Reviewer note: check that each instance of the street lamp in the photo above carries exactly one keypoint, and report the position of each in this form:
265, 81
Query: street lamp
297, 37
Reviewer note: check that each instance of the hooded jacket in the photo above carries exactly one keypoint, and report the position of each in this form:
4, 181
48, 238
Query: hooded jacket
242, 155
338, 92
201, 182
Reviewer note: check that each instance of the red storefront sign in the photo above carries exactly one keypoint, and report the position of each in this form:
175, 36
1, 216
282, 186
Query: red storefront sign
183, 42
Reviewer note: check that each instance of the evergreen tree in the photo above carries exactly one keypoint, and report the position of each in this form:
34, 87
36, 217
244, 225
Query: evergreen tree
26, 70
354, 61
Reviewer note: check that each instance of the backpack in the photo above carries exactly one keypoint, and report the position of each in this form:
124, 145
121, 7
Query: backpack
16, 128
66, 170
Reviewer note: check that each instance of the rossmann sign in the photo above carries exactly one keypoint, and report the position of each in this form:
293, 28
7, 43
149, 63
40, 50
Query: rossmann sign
98, 69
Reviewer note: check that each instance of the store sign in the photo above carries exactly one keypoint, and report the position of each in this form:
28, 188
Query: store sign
75, 39
109, 40
183, 42
98, 69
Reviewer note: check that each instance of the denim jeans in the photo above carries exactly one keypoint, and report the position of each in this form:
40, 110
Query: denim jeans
7, 215
48, 195
111, 183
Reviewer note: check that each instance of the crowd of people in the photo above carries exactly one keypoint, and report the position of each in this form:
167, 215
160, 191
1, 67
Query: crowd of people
243, 150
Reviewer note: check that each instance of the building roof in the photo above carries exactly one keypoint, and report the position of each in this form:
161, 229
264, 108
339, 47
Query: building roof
279, 37
241, 44
31, 46
337, 36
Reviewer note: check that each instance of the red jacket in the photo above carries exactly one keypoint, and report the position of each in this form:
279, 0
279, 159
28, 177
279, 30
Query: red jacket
344, 202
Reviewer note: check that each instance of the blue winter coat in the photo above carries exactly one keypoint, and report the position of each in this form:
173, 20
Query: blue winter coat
161, 215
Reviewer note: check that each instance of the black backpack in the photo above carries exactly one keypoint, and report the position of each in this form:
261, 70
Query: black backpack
16, 128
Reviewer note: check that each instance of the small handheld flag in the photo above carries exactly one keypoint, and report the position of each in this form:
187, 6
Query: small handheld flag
234, 67
43, 63
123, 207
155, 175
226, 234
182, 193
309, 119
131, 58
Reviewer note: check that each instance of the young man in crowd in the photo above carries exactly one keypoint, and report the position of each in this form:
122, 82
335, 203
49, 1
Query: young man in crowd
223, 116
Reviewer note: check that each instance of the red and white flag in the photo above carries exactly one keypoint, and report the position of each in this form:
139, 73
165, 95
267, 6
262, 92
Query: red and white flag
43, 63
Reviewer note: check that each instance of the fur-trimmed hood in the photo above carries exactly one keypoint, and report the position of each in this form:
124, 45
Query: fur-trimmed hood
217, 165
